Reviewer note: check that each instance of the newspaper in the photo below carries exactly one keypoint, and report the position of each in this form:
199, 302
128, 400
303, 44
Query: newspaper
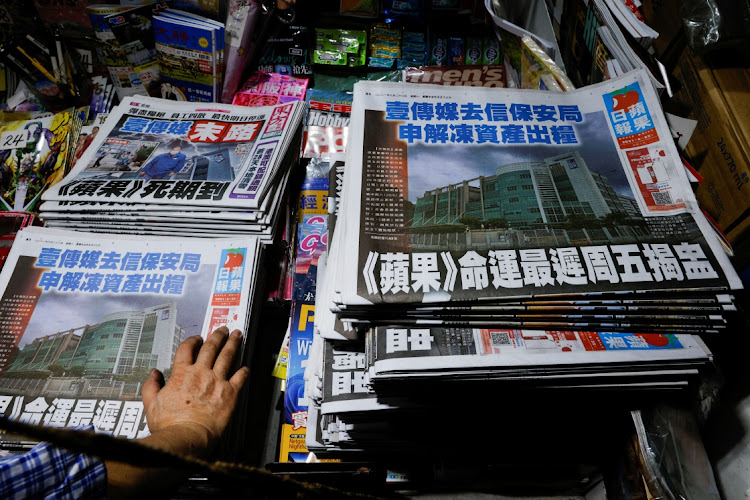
223, 155
145, 218
464, 194
87, 317
348, 386
507, 352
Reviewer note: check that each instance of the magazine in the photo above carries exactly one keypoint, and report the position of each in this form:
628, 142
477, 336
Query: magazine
570, 193
636, 28
153, 151
326, 123
188, 50
470, 75
310, 243
89, 316
85, 137
123, 75
34, 154
134, 31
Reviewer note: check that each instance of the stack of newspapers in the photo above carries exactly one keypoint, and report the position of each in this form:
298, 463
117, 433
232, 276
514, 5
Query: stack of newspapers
89, 315
165, 168
530, 240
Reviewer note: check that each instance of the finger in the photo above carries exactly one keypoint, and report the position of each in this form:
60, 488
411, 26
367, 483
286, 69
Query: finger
151, 387
211, 347
239, 378
226, 356
185, 354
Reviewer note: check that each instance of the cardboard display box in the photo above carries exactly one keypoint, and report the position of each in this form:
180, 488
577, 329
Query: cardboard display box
720, 146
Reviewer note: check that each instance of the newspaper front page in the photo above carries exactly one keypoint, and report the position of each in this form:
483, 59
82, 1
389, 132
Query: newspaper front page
458, 193
86, 317
157, 152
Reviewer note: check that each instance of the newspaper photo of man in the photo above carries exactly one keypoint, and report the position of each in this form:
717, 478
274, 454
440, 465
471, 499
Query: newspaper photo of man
165, 164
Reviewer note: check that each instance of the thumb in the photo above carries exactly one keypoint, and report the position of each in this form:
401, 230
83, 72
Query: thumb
152, 386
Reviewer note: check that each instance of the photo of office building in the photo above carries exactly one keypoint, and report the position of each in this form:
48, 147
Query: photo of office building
118, 344
527, 195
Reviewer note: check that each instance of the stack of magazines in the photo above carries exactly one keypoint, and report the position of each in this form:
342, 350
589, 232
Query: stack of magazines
173, 169
545, 241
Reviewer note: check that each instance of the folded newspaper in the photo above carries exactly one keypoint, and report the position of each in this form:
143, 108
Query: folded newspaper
163, 158
87, 316
465, 195
392, 371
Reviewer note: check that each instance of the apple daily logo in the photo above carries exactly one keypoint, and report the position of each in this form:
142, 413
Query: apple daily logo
625, 99
230, 275
629, 115
233, 258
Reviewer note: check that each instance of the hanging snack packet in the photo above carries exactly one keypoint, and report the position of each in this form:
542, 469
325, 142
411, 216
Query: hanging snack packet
340, 47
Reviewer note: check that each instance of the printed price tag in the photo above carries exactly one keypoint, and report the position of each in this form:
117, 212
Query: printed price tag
13, 139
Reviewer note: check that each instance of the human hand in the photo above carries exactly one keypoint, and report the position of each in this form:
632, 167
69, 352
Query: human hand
189, 414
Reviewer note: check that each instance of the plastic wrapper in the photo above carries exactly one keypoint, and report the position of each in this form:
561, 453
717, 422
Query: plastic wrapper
240, 25
673, 459
711, 22
340, 47
288, 51
539, 71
